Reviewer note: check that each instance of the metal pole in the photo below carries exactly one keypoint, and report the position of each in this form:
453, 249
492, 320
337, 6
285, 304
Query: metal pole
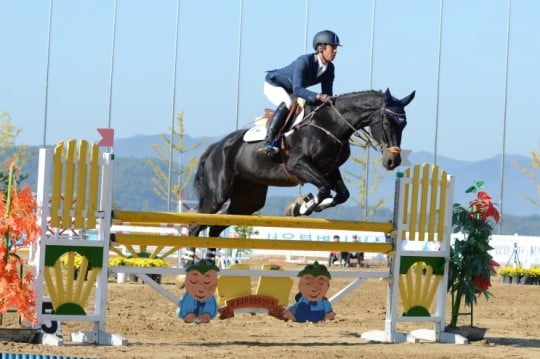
305, 51
372, 45
173, 107
306, 27
238, 67
46, 108
113, 40
503, 149
367, 159
435, 145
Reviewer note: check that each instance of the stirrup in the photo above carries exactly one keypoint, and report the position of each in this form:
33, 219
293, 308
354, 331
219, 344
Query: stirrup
269, 149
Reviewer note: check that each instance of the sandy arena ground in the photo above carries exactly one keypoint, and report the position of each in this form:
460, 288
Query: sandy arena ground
148, 321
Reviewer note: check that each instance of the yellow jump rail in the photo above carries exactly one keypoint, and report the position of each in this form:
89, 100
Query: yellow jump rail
216, 242
167, 219
155, 219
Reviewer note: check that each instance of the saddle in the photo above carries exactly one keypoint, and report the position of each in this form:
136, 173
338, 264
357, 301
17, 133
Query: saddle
261, 123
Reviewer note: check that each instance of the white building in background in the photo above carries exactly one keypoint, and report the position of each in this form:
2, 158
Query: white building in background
516, 250
307, 234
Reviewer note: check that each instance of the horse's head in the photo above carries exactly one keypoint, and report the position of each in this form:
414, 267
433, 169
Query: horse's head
387, 126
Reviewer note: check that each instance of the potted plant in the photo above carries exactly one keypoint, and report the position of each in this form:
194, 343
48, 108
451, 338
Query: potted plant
18, 228
506, 273
526, 279
470, 265
115, 262
534, 275
517, 274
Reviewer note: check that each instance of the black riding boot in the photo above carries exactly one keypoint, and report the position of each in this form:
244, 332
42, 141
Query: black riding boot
277, 120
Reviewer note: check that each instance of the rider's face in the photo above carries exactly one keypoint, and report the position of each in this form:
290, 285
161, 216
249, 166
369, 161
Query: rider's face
329, 53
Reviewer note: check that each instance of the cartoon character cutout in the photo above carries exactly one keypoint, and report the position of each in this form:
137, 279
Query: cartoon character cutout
312, 304
198, 304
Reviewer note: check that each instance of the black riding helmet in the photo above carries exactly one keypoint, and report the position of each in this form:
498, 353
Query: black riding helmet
325, 37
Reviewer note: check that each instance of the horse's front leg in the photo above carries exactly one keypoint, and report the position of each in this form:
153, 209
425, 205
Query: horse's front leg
305, 171
338, 185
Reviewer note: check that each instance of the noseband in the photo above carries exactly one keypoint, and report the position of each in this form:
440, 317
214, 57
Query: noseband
399, 119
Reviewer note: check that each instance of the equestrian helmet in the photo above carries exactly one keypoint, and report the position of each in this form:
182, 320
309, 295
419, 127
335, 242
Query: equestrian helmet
325, 37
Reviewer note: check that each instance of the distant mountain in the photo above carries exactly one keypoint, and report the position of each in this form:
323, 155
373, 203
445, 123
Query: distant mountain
140, 196
140, 146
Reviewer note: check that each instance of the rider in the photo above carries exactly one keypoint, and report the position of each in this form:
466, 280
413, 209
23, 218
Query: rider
283, 86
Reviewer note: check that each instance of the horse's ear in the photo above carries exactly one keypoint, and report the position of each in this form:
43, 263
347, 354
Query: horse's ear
406, 100
387, 95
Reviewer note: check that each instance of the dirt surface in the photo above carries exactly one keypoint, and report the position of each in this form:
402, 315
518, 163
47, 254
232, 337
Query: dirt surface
149, 323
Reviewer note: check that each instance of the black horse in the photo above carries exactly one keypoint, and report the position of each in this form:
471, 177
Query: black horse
231, 169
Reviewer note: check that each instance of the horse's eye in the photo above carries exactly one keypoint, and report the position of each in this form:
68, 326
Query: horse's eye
400, 121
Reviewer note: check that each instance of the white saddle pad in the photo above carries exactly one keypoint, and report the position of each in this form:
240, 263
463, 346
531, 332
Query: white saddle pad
258, 132
254, 134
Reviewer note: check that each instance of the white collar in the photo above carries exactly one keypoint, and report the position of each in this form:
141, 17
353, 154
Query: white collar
322, 66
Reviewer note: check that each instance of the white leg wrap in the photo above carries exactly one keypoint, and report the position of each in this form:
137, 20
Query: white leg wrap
309, 201
325, 203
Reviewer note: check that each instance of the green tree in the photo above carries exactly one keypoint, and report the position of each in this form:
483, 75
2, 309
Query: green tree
10, 152
183, 171
359, 180
244, 232
532, 174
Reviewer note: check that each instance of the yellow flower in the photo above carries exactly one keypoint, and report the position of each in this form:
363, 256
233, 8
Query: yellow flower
505, 270
146, 262
117, 261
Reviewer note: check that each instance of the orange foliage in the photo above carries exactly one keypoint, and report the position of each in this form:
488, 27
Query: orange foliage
18, 227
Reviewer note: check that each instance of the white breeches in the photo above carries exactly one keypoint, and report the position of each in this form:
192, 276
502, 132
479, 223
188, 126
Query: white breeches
277, 95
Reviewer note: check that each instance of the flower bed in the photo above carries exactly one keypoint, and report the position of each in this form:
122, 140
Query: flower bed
520, 275
141, 262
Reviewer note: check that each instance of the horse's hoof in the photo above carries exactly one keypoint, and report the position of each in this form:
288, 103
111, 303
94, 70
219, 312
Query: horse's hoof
293, 209
289, 211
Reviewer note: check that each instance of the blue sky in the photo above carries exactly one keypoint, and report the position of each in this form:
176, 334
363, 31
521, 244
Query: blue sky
405, 54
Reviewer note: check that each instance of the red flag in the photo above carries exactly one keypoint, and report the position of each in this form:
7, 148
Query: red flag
107, 137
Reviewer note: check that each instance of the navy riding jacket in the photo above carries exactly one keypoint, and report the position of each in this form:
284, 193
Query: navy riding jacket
302, 73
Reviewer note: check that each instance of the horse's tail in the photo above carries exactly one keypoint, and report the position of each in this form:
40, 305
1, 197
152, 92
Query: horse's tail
200, 179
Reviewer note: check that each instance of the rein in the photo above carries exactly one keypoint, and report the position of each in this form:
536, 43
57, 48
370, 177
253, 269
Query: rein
363, 134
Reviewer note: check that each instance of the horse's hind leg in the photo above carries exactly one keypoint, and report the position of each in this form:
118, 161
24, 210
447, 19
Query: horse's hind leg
211, 201
246, 198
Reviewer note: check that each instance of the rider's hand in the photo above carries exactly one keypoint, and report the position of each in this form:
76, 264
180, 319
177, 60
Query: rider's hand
324, 98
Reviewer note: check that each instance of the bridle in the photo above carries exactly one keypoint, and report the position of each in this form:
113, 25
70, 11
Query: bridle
361, 133
365, 135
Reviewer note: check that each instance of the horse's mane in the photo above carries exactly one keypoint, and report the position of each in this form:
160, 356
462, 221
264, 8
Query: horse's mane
349, 95
357, 93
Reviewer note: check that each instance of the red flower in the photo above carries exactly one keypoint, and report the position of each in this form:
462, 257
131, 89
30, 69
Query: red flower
482, 283
483, 207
